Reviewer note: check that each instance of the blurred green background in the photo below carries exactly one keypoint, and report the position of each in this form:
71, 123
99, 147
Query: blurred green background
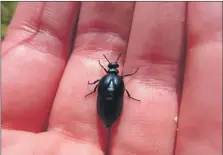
7, 11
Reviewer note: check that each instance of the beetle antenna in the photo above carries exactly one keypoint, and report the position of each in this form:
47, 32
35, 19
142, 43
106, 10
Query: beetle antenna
118, 57
106, 58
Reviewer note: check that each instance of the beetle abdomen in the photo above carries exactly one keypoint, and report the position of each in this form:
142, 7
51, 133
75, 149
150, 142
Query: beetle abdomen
109, 110
110, 98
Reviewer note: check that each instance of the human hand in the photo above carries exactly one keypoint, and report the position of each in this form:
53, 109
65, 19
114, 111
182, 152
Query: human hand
43, 87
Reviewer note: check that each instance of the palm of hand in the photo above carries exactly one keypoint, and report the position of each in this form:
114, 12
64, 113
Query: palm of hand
44, 91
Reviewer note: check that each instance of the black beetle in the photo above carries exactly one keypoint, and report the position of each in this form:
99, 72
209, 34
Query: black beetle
111, 90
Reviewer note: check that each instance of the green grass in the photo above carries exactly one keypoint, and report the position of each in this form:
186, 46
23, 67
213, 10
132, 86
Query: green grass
7, 12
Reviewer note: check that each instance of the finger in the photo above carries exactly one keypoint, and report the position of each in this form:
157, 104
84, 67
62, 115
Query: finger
44, 26
33, 63
103, 29
155, 46
200, 121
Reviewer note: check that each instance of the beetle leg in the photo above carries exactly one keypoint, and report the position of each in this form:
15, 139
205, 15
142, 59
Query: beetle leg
130, 73
90, 83
131, 96
95, 88
102, 66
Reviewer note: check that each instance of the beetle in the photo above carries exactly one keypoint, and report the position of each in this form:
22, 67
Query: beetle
111, 90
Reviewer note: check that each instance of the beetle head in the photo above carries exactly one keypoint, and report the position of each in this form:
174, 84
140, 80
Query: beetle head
113, 65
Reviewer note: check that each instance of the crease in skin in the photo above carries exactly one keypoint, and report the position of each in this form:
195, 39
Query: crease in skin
37, 29
154, 83
110, 37
103, 26
55, 143
157, 75
25, 26
32, 36
159, 64
215, 37
105, 18
70, 136
95, 40
96, 54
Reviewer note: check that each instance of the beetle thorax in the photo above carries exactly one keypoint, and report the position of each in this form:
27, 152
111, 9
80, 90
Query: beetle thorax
113, 68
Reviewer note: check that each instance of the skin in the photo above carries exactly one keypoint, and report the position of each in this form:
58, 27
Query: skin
45, 74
